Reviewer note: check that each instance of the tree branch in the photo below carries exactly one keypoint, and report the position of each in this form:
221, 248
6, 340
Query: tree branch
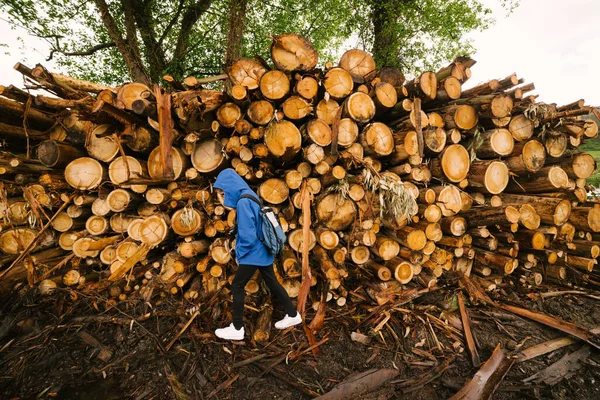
155, 52
87, 52
130, 32
133, 61
171, 23
191, 16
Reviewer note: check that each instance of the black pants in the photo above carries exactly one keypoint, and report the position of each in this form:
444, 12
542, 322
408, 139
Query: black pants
242, 276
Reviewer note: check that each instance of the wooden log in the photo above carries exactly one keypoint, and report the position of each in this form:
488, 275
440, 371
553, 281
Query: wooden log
327, 110
54, 154
435, 140
547, 179
101, 144
187, 221
502, 264
494, 143
274, 191
385, 248
318, 132
488, 176
453, 165
84, 173
283, 139
347, 132
358, 63
586, 218
274, 85
208, 156
246, 72
359, 107
292, 52
556, 144
360, 255
377, 139
425, 85
462, 117
296, 108
296, 242
521, 127
531, 158
335, 212
338, 83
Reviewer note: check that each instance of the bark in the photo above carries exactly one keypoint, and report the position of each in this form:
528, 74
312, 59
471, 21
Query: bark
129, 50
235, 30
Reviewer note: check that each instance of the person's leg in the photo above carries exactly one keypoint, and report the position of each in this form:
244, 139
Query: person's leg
275, 287
242, 276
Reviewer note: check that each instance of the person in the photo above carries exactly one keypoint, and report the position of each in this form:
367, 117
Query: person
251, 254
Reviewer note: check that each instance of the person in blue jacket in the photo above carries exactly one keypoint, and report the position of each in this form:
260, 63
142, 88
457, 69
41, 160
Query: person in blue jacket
251, 254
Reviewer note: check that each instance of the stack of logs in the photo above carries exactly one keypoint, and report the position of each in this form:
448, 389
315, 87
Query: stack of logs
110, 187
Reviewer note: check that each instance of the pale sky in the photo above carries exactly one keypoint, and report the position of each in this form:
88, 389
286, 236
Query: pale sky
553, 43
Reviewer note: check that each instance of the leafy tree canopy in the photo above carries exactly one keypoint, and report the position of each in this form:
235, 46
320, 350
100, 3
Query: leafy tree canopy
112, 40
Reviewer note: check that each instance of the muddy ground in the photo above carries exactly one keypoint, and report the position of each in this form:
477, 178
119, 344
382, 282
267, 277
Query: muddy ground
43, 353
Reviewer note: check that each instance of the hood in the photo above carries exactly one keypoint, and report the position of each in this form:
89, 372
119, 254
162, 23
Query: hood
232, 185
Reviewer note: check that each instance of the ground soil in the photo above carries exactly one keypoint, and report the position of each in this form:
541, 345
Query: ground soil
43, 356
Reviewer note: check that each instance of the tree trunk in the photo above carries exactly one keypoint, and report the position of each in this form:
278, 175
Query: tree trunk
235, 30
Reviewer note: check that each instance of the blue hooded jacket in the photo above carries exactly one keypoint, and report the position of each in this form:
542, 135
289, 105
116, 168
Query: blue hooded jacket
249, 250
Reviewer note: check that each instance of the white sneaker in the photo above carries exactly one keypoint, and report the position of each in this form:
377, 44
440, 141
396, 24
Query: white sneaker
288, 321
230, 333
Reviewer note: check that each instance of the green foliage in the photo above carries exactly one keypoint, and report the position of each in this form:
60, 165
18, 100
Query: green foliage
411, 34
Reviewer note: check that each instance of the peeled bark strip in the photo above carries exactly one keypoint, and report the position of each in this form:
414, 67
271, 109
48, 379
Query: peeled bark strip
488, 378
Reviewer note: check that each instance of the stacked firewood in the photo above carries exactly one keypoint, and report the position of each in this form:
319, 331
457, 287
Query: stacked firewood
109, 188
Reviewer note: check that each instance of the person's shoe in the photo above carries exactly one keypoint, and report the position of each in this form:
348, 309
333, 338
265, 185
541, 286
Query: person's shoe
230, 333
288, 321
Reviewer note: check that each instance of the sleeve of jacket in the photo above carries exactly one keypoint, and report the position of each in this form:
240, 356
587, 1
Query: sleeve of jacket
247, 233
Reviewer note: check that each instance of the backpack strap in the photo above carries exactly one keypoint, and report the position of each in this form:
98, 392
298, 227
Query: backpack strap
260, 206
249, 196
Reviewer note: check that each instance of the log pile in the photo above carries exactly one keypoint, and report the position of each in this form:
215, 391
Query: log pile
109, 188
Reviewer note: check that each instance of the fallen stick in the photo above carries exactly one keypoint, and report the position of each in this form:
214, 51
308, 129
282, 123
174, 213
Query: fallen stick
487, 379
249, 361
563, 368
182, 330
555, 323
222, 386
548, 347
37, 237
360, 383
468, 334
562, 292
